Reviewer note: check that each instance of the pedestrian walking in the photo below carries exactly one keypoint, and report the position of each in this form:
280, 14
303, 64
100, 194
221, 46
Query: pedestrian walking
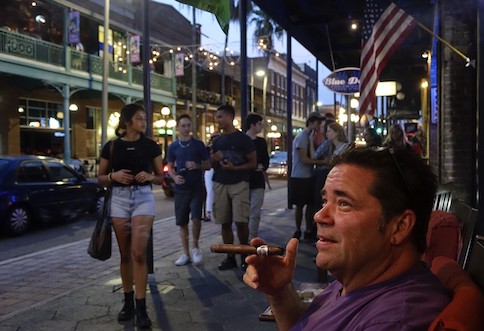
233, 156
187, 160
257, 179
136, 164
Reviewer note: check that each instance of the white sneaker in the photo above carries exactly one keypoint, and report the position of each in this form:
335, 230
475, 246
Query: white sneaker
196, 256
182, 260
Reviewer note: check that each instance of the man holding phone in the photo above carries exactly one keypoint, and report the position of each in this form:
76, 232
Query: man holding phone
233, 156
187, 159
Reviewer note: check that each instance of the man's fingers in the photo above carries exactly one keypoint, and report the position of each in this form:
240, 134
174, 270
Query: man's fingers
291, 251
256, 242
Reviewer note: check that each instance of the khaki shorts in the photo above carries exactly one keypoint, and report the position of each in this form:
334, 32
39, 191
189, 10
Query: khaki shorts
231, 203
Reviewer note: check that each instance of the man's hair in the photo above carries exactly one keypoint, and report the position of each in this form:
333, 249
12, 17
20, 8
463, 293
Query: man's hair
402, 181
182, 116
252, 118
327, 122
313, 117
227, 109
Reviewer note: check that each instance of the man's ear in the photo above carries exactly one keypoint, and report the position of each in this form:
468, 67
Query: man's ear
402, 226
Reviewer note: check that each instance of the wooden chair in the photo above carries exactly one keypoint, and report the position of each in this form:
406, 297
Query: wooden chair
467, 217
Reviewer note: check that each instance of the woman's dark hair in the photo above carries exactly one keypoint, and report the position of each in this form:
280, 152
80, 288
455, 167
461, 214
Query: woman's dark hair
252, 118
340, 131
402, 181
127, 113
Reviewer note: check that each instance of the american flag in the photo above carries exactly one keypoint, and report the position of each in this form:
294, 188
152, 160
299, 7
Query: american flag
383, 33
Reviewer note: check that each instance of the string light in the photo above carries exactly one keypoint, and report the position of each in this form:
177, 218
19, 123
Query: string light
197, 54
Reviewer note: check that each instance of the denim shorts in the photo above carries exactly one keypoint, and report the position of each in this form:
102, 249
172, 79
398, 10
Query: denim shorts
189, 201
130, 201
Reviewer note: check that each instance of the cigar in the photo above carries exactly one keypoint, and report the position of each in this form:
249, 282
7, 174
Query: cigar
247, 249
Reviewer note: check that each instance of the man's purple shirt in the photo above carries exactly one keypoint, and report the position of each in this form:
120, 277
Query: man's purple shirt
410, 301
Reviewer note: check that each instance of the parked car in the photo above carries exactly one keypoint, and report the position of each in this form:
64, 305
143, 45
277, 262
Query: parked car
36, 189
168, 184
277, 164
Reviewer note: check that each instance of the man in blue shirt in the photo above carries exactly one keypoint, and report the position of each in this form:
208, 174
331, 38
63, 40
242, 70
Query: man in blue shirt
187, 159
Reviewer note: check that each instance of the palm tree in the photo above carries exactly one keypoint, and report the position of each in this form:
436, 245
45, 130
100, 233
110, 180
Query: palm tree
234, 17
265, 30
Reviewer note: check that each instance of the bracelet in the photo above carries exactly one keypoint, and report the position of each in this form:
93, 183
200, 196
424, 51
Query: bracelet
109, 177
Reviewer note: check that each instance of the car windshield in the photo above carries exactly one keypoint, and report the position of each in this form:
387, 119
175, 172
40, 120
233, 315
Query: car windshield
278, 157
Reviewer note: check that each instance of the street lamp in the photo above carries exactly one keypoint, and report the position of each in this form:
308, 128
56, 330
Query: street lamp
258, 73
273, 135
165, 112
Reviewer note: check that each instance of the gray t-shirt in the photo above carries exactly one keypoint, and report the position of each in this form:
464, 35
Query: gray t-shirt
299, 169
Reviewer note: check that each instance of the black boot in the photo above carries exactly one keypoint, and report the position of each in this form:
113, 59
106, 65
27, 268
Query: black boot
127, 312
142, 319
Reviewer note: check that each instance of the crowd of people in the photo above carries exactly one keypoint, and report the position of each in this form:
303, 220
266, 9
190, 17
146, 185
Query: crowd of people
366, 208
231, 167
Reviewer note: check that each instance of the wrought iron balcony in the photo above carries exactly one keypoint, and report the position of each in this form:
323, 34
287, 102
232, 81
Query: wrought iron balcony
30, 48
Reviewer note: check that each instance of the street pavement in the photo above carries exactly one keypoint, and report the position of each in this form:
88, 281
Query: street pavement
63, 288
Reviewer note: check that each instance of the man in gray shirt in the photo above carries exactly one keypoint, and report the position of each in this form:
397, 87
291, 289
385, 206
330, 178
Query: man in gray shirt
301, 183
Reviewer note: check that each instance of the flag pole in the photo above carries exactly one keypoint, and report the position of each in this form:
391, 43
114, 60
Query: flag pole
465, 57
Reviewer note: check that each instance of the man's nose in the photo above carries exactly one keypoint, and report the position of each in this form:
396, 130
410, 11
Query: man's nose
324, 215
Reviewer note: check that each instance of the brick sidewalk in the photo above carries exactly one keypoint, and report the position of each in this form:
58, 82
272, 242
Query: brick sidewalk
62, 288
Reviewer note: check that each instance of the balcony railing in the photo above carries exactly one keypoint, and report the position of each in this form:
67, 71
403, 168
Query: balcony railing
185, 92
34, 49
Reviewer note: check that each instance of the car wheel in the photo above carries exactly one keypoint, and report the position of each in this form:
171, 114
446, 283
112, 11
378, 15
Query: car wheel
18, 220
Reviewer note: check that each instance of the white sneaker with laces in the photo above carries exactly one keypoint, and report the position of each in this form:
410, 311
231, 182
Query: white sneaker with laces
196, 256
182, 260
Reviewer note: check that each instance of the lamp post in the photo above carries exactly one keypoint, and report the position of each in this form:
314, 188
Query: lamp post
258, 73
165, 112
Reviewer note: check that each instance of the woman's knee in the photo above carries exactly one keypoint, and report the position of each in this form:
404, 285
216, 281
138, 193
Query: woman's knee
138, 256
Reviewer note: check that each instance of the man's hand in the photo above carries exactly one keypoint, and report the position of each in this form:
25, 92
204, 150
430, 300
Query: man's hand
179, 180
271, 274
217, 156
191, 165
227, 165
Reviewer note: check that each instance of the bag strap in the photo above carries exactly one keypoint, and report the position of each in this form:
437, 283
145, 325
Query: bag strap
111, 149
110, 162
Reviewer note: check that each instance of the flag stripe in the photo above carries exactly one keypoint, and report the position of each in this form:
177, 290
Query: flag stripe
385, 47
388, 31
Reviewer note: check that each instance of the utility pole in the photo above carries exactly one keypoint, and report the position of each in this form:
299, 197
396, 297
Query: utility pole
194, 76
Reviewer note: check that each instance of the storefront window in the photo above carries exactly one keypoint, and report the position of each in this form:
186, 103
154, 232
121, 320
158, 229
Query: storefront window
41, 114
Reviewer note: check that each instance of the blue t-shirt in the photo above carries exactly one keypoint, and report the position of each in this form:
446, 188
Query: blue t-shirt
235, 148
179, 152
407, 302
